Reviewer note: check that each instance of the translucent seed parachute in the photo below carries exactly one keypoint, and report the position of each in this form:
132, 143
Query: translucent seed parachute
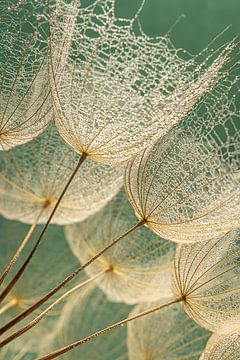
139, 266
206, 276
39, 277
115, 91
83, 92
206, 282
187, 185
32, 176
25, 101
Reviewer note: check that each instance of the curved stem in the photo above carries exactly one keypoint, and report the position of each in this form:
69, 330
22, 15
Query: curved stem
21, 270
21, 247
67, 348
28, 311
49, 308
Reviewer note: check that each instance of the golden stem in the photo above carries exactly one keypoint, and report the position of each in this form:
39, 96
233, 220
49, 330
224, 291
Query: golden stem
21, 247
67, 348
49, 308
28, 311
35, 247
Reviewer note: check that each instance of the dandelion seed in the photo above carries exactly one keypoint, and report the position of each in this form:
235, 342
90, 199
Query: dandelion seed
206, 282
113, 97
139, 267
186, 185
38, 278
45, 312
115, 91
25, 103
206, 275
136, 270
31, 181
183, 193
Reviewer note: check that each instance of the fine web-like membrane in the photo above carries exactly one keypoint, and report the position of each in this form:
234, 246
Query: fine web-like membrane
40, 276
116, 90
186, 186
224, 347
25, 101
138, 267
206, 275
32, 177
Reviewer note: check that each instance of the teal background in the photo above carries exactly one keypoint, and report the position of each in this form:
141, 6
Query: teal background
204, 19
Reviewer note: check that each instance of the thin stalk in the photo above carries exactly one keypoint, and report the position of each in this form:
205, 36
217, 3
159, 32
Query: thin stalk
67, 348
21, 247
49, 308
28, 311
21, 270
9, 305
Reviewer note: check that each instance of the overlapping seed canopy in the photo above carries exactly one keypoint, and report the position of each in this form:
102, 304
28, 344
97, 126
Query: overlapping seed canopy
187, 185
39, 277
32, 177
116, 95
138, 268
115, 90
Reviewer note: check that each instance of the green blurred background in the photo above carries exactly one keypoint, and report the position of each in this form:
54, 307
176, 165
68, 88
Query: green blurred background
204, 19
